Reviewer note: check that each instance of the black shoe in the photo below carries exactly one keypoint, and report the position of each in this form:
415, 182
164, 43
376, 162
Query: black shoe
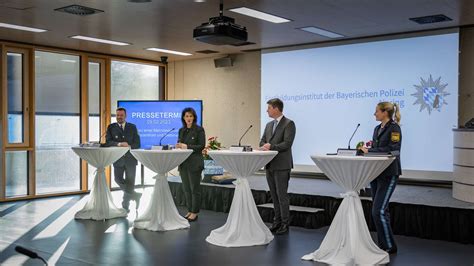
137, 200
193, 220
274, 227
391, 251
282, 230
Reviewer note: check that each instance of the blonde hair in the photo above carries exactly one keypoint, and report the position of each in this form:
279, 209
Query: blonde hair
392, 109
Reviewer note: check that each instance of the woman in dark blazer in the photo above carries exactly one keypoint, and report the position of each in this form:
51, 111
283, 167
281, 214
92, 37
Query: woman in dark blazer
387, 138
191, 136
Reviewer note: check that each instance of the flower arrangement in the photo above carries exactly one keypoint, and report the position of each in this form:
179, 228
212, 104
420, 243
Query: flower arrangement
213, 144
361, 144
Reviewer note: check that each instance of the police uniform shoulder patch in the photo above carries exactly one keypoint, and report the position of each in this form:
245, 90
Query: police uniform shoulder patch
395, 136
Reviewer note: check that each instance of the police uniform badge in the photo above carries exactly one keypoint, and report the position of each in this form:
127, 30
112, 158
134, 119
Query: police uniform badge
395, 137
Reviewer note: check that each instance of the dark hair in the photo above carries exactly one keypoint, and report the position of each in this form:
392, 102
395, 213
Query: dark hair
276, 103
189, 110
121, 109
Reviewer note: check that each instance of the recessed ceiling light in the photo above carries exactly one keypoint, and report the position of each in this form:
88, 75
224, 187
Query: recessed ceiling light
91, 39
167, 51
14, 54
259, 14
68, 61
18, 27
321, 32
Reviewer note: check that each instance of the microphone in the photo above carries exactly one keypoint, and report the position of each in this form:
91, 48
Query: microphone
244, 134
166, 135
349, 145
29, 253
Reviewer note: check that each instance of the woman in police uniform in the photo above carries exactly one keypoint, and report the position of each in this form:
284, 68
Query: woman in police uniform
191, 136
387, 138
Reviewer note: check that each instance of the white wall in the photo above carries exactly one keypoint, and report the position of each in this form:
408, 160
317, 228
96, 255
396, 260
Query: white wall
231, 96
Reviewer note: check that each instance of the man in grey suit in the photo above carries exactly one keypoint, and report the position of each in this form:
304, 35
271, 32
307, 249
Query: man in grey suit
123, 134
279, 136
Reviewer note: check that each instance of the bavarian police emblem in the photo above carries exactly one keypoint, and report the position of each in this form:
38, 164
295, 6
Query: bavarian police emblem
395, 136
430, 94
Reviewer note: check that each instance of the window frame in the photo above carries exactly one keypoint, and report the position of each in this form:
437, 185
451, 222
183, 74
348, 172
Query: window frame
26, 88
29, 116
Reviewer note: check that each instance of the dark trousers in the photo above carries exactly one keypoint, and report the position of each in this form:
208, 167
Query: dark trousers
278, 183
192, 189
382, 189
127, 184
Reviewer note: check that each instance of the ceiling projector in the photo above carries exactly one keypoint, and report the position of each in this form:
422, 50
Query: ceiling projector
220, 30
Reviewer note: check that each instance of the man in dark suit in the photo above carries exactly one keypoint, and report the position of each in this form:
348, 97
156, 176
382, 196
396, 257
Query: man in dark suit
279, 136
123, 134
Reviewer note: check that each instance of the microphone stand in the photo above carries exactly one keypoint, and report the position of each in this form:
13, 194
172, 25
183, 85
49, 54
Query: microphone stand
349, 145
245, 147
244, 134
166, 147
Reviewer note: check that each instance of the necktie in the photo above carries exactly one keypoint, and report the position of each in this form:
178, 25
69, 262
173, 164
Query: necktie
121, 126
275, 124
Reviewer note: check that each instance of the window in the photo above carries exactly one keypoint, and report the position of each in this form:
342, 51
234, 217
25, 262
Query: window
52, 101
16, 166
57, 122
15, 97
94, 101
131, 81
17, 124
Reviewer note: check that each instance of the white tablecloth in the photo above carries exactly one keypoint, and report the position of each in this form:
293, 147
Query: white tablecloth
161, 214
348, 241
100, 205
244, 226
